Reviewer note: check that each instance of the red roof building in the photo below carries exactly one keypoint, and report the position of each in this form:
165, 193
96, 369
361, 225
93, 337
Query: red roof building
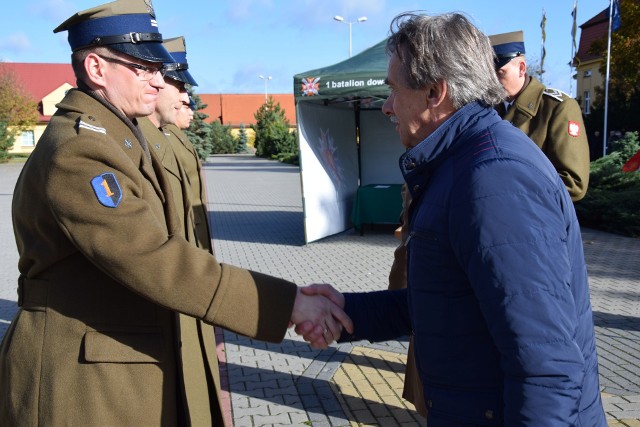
40, 80
48, 83
593, 30
238, 109
588, 64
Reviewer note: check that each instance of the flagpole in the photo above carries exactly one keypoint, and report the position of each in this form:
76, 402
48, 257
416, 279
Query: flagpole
543, 52
574, 14
606, 82
541, 43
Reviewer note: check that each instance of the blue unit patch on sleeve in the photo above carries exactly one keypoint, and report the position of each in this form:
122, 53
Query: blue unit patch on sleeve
107, 189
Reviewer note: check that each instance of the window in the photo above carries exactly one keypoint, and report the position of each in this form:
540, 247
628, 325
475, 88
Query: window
586, 104
587, 73
27, 138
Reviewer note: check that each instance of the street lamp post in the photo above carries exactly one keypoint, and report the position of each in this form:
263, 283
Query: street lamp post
266, 84
341, 19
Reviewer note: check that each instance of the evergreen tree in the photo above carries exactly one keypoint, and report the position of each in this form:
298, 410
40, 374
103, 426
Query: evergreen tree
222, 141
612, 202
199, 131
273, 139
241, 141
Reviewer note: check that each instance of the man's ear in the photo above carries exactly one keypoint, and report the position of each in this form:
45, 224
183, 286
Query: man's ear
94, 67
522, 68
436, 93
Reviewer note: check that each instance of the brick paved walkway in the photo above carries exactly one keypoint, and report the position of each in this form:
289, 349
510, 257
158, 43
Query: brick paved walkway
257, 218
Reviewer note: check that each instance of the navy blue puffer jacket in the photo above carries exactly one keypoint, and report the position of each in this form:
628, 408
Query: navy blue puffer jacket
498, 296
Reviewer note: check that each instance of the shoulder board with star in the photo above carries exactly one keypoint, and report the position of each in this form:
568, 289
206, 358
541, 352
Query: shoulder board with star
555, 94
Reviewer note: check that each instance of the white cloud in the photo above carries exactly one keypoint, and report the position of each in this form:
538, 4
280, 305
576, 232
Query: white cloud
16, 43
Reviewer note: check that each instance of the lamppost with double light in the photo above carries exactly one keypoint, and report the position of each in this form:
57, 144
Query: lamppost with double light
341, 19
266, 84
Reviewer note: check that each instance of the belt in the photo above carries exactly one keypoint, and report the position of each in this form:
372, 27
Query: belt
32, 293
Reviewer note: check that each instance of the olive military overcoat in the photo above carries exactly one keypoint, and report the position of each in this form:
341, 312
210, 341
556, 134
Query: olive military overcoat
104, 272
201, 382
553, 120
187, 156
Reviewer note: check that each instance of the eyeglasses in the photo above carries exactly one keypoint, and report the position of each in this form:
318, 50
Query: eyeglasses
144, 72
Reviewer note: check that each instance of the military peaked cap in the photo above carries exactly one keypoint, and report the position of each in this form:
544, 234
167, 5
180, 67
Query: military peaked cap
128, 26
178, 50
507, 46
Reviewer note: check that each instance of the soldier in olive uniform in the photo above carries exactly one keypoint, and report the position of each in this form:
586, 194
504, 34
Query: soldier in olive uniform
188, 157
184, 151
551, 118
170, 101
198, 338
187, 154
104, 270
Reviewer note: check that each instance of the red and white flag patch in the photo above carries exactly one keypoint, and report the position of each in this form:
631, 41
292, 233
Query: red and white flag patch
574, 128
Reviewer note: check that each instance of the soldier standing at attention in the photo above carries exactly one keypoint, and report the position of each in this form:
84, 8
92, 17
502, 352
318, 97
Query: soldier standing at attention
551, 118
170, 101
184, 151
198, 349
104, 270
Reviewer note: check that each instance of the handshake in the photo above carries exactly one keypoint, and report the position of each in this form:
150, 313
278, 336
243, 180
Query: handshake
318, 315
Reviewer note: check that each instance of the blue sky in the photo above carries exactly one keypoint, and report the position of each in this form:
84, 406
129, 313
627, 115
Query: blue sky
231, 42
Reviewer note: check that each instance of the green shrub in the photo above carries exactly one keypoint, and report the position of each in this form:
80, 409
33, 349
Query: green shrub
290, 158
6, 142
612, 202
222, 141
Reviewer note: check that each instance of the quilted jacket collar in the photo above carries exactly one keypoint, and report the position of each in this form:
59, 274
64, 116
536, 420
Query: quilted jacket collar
441, 143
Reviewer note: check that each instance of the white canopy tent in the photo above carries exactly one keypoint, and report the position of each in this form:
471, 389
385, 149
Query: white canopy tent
345, 140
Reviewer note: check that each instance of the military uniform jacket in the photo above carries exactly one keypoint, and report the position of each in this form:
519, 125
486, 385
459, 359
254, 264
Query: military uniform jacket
554, 122
104, 271
159, 143
188, 158
200, 373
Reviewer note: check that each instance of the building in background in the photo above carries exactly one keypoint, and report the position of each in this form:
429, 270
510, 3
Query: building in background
48, 83
238, 109
587, 64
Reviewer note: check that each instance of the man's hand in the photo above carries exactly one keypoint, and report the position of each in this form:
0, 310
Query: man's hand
320, 319
320, 335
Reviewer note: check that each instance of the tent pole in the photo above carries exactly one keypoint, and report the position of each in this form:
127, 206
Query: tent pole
356, 110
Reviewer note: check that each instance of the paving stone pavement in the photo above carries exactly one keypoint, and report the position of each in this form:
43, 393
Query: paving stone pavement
256, 211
